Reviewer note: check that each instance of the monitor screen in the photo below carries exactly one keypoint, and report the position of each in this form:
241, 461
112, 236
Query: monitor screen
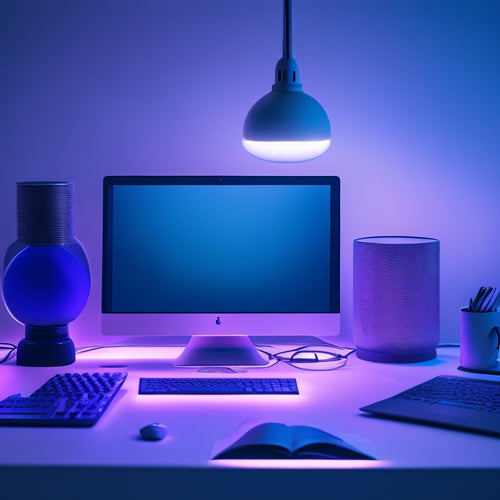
205, 255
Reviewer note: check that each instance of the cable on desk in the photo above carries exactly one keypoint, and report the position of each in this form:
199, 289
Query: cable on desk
10, 348
314, 357
319, 357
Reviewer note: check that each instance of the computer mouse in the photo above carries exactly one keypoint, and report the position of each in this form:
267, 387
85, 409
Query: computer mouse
153, 432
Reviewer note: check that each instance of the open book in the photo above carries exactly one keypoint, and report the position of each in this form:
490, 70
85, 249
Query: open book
274, 440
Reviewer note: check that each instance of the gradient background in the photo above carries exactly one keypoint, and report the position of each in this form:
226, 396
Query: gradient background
114, 87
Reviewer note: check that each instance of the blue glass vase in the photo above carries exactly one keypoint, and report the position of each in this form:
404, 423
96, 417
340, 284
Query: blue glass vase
46, 280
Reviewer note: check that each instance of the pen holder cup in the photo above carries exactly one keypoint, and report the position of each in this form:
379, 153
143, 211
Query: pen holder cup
479, 339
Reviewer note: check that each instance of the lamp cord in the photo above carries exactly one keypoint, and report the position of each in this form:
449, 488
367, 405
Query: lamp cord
287, 29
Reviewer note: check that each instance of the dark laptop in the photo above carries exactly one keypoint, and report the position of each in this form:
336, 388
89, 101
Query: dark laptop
454, 402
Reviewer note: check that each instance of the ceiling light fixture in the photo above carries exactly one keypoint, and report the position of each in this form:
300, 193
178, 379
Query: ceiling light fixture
286, 125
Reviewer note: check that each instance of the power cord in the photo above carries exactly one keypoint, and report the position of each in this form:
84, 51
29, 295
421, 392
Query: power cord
317, 357
10, 348
302, 358
313, 357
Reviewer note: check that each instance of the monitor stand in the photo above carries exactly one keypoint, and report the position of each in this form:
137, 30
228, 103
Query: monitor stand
220, 350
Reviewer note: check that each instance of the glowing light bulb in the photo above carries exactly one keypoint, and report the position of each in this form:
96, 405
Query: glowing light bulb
286, 151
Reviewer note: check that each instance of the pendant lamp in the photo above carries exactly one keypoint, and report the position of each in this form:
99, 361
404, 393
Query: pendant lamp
286, 125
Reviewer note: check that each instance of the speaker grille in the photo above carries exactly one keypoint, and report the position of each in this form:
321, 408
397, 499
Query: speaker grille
396, 298
45, 213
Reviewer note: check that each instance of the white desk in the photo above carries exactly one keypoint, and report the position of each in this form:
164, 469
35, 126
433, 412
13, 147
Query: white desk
110, 461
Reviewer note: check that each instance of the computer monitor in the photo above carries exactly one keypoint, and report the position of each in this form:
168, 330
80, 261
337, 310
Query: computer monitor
220, 259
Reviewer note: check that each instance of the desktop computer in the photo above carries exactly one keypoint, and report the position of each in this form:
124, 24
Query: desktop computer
220, 259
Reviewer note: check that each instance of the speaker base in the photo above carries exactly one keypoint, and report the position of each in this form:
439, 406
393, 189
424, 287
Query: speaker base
395, 357
46, 346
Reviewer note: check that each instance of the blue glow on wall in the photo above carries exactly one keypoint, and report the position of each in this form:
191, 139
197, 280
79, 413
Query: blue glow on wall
97, 87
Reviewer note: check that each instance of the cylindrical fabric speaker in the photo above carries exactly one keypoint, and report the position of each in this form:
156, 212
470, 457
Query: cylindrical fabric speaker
396, 298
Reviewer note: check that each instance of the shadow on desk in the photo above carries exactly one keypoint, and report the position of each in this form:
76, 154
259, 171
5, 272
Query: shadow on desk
136, 483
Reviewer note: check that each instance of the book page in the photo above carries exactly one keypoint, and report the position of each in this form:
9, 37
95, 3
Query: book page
313, 441
259, 442
304, 435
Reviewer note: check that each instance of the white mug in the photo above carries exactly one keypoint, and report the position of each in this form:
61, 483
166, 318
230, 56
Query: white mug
479, 339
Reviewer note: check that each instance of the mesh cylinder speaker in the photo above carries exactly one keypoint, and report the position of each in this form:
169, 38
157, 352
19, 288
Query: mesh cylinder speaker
45, 213
396, 298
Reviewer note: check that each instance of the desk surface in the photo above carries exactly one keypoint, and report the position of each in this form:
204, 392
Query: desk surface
328, 400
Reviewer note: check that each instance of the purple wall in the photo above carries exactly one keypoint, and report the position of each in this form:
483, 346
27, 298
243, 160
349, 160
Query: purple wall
97, 87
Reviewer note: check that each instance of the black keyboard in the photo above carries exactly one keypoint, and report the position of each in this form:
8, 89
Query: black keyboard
218, 386
453, 402
474, 394
65, 400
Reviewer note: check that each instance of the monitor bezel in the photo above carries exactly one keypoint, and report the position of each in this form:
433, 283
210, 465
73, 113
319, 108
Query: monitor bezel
220, 323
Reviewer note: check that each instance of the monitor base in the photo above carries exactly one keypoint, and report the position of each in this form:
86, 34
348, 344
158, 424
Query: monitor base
231, 350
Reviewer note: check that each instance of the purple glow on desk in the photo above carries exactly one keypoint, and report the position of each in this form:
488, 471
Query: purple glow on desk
130, 353
300, 464
221, 401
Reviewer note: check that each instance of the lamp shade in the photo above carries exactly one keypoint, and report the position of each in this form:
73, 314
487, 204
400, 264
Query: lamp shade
286, 125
